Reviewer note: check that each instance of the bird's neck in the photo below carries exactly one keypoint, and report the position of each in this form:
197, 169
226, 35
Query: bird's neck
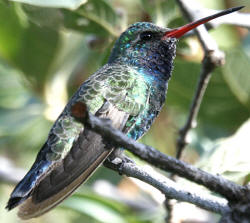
155, 62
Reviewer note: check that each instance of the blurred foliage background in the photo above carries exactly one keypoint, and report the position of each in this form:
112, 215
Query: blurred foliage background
47, 52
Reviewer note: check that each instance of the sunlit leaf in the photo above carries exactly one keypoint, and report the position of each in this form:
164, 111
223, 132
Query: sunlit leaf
236, 73
96, 17
69, 58
70, 4
95, 209
162, 12
230, 156
13, 94
30, 48
48, 17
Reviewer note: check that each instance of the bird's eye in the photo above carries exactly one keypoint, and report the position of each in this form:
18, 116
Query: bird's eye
146, 36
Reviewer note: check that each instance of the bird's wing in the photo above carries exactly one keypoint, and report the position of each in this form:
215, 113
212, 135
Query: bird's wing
73, 152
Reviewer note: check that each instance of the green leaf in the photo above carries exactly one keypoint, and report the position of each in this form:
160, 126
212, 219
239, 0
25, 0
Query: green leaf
13, 94
230, 156
48, 17
70, 4
23, 129
37, 52
96, 209
220, 108
104, 209
96, 17
11, 32
28, 47
161, 12
236, 73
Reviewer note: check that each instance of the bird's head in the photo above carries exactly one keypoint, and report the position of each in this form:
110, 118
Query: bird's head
145, 45
141, 43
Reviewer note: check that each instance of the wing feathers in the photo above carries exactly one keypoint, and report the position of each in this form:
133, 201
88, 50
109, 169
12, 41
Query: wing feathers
31, 208
86, 154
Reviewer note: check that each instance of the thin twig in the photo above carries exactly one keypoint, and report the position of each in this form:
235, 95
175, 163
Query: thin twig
169, 205
217, 184
11, 174
170, 188
213, 58
206, 71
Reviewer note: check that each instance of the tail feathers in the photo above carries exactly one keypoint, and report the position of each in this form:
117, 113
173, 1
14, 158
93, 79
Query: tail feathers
41, 201
15, 201
48, 184
24, 188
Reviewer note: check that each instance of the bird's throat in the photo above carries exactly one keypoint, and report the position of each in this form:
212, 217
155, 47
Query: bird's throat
154, 61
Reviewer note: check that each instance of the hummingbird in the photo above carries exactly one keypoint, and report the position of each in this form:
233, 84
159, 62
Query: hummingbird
130, 90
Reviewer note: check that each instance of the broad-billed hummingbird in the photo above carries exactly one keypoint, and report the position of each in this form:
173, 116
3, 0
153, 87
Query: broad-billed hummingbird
130, 90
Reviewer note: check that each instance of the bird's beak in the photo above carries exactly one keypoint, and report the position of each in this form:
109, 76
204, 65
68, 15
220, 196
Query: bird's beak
179, 32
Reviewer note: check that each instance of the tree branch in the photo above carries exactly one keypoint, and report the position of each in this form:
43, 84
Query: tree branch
212, 59
170, 188
216, 184
11, 174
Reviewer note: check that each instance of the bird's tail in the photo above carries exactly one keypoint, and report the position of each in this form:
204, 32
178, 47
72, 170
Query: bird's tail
47, 184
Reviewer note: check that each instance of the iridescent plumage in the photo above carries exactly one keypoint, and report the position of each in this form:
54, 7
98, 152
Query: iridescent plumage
130, 90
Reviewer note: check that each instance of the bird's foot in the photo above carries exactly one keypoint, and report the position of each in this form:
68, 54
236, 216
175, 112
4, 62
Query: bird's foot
118, 162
